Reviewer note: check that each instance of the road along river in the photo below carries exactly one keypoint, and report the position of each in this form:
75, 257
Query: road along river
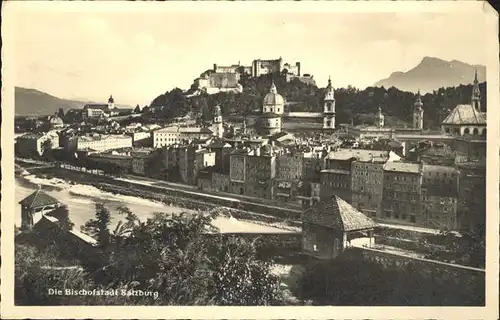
81, 200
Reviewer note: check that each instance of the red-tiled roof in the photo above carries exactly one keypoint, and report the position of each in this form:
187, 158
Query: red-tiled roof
337, 214
38, 199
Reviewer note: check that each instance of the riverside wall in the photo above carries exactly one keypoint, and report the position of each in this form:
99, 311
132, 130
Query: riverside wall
181, 198
464, 285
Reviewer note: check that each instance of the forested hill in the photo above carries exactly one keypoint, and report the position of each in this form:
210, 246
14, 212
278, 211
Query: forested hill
358, 106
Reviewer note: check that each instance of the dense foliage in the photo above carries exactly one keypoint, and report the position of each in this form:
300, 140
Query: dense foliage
352, 105
182, 257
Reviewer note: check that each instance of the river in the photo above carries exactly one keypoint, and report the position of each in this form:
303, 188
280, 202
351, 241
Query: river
81, 200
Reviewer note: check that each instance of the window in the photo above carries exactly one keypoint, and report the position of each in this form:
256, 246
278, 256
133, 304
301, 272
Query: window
412, 219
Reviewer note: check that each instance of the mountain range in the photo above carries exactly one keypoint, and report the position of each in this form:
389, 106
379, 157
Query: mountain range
433, 73
32, 102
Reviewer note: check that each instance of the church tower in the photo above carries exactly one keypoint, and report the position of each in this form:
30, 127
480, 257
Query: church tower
476, 95
380, 118
218, 126
329, 107
418, 113
111, 102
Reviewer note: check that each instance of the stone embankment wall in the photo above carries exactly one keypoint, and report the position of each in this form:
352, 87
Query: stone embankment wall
466, 284
179, 198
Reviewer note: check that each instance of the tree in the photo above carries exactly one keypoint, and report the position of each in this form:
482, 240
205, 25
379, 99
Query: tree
98, 227
62, 214
137, 109
240, 278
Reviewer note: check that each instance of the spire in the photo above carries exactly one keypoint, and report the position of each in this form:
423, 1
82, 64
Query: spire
273, 87
475, 76
111, 100
329, 82
418, 102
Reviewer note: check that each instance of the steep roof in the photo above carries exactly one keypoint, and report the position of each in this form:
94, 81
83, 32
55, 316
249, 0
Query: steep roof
465, 114
38, 199
337, 214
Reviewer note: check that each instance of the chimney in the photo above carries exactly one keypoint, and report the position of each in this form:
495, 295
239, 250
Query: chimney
215, 67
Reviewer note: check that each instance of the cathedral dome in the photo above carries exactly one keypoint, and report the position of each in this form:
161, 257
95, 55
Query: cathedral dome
273, 98
55, 121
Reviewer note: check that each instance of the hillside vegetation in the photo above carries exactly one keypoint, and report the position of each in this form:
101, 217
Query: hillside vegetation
352, 105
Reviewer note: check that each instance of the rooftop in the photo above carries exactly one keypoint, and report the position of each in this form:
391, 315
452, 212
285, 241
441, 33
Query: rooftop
359, 154
337, 214
402, 167
465, 114
38, 199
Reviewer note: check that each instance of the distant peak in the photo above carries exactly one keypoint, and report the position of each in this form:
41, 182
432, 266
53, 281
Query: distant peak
432, 59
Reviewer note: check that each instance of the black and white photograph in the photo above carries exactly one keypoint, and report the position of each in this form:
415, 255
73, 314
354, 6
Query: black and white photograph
262, 156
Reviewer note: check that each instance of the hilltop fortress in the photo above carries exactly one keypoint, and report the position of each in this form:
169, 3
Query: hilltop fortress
226, 78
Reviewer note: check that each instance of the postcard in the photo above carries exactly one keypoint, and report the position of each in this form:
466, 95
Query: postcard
250, 160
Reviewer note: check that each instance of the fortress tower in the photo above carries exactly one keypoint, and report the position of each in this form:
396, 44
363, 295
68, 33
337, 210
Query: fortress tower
329, 107
418, 113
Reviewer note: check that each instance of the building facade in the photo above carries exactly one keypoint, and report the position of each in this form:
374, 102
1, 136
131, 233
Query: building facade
261, 171
102, 143
367, 186
440, 196
401, 199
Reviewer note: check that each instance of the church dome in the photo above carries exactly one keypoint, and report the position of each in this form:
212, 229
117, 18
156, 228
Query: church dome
55, 120
273, 98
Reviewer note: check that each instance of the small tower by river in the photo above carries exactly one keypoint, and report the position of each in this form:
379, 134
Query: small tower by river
33, 207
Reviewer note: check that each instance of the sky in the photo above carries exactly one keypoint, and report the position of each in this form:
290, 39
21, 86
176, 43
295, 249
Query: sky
135, 56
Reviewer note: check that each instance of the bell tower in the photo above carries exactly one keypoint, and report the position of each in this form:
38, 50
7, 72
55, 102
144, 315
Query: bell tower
380, 118
476, 95
218, 126
418, 113
329, 107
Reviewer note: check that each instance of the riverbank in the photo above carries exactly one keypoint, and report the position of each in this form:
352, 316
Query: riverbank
88, 185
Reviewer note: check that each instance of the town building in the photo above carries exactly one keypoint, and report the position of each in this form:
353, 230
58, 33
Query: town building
141, 138
367, 185
238, 174
401, 199
34, 144
333, 225
98, 110
222, 155
471, 210
469, 148
140, 161
467, 119
440, 196
101, 143
260, 174
288, 175
176, 134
